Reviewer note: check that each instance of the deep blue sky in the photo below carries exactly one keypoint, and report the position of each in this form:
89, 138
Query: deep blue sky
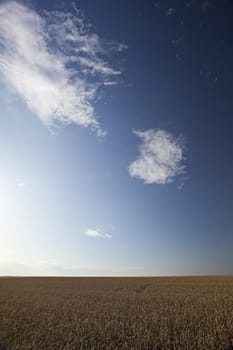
69, 202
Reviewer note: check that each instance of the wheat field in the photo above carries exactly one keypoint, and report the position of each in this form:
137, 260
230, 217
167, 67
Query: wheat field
116, 313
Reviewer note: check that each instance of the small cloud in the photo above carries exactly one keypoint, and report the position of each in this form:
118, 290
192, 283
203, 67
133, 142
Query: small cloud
120, 47
212, 77
177, 42
171, 11
110, 83
21, 184
97, 232
178, 56
160, 157
205, 5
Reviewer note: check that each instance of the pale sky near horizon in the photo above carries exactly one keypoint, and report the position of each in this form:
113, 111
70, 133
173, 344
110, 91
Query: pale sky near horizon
116, 137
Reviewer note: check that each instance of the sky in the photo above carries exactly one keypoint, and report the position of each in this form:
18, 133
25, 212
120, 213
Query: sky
116, 137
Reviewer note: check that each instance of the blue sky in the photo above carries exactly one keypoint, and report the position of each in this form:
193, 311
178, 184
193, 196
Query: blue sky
116, 138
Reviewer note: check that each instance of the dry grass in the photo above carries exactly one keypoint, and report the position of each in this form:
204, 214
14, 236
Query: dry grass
116, 313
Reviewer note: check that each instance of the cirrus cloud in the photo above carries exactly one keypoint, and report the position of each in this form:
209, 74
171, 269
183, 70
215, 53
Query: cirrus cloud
160, 157
54, 63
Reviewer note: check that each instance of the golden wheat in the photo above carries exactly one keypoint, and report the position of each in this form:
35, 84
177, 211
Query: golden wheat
116, 313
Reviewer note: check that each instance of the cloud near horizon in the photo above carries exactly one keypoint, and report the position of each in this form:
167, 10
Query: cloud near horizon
96, 233
50, 267
54, 63
160, 157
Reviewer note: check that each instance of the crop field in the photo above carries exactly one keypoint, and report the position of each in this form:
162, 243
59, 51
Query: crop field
116, 313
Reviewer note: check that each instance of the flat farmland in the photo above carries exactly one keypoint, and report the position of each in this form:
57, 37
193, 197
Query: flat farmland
116, 313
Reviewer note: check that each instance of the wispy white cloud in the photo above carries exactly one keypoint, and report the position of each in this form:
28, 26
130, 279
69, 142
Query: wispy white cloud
110, 83
97, 66
10, 266
120, 47
54, 63
50, 267
160, 157
22, 184
171, 11
96, 232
